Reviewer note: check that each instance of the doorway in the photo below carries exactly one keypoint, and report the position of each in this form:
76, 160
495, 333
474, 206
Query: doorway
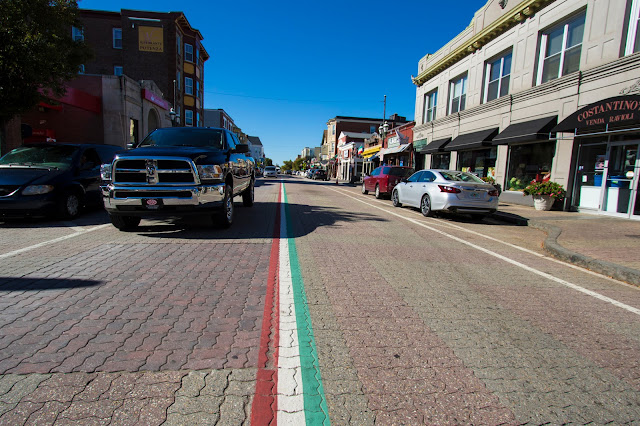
620, 194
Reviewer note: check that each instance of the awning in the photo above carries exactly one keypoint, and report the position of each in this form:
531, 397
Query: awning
528, 131
370, 151
373, 157
472, 140
397, 149
435, 146
619, 111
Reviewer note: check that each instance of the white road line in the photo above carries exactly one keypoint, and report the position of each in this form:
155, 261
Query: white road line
504, 258
55, 240
290, 394
435, 222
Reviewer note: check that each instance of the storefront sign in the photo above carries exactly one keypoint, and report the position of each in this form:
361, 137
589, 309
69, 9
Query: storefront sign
150, 39
617, 111
393, 142
155, 99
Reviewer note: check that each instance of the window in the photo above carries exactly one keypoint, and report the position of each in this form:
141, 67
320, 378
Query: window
427, 177
178, 43
178, 80
527, 162
496, 81
133, 131
372, 128
188, 86
430, 104
376, 171
77, 34
197, 119
415, 177
457, 94
197, 57
560, 49
188, 52
197, 89
117, 70
481, 162
188, 117
117, 38
633, 35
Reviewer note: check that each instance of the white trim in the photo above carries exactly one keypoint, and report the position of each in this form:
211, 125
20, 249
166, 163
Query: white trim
564, 48
633, 27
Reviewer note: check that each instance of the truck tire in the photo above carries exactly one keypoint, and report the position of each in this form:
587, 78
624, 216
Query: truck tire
247, 195
226, 212
124, 223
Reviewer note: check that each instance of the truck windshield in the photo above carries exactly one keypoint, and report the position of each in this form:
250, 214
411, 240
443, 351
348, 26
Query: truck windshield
184, 136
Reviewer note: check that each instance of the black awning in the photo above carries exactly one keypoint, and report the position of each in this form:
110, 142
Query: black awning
435, 146
619, 111
472, 140
528, 131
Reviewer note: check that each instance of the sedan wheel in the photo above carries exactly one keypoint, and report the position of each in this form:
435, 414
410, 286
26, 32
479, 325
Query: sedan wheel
425, 206
395, 199
364, 190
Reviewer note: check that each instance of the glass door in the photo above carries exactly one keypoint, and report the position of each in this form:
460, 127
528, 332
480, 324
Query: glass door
621, 178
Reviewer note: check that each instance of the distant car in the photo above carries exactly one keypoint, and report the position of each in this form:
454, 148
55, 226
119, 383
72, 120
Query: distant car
52, 179
308, 173
383, 179
270, 171
446, 190
319, 174
287, 172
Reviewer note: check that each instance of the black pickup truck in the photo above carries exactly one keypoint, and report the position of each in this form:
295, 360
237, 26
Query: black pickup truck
176, 172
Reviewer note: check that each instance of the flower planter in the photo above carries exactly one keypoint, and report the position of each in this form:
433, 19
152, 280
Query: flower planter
543, 202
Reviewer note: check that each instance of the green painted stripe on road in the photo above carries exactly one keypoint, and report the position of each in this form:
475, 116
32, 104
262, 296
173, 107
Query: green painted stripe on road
315, 403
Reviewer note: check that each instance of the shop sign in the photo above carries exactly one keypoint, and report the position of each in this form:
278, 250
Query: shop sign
150, 39
419, 144
155, 99
617, 111
393, 142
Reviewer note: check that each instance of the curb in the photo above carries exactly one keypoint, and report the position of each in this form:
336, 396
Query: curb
551, 245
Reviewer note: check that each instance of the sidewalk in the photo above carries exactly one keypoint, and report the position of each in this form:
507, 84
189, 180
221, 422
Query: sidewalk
610, 246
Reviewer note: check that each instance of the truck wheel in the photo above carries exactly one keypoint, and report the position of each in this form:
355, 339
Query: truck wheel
124, 223
226, 213
247, 195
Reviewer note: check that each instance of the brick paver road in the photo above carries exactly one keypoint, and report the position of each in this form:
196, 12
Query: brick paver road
416, 321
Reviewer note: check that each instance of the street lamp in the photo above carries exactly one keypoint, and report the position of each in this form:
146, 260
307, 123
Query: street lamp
172, 114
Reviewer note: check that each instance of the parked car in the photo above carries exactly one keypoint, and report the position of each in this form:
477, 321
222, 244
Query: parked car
319, 174
383, 179
270, 171
52, 179
308, 173
446, 190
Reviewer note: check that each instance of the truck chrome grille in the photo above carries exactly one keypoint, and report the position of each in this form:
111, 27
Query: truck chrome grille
154, 171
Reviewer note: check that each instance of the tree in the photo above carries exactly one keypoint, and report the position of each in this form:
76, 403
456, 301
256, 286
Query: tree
37, 53
298, 164
268, 162
287, 165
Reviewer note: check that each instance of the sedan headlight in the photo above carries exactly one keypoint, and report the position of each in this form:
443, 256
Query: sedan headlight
105, 171
210, 172
37, 189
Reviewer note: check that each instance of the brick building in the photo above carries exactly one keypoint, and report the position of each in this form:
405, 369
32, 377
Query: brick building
158, 46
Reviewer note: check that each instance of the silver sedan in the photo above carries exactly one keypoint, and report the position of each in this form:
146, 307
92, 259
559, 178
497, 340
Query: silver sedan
446, 190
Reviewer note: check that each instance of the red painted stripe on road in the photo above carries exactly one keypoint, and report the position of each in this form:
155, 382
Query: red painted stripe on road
265, 402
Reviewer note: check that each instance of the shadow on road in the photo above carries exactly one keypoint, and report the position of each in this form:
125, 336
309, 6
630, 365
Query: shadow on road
36, 284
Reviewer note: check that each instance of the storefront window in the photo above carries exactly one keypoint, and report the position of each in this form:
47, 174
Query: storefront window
480, 162
587, 186
441, 161
528, 162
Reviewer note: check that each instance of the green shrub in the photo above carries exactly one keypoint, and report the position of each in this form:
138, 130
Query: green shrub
552, 189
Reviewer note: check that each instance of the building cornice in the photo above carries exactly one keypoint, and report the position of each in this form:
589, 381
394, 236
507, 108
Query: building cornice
509, 20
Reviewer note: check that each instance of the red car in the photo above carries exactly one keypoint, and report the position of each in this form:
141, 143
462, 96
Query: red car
383, 179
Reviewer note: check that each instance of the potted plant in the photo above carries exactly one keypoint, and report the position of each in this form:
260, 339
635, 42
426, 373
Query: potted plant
544, 193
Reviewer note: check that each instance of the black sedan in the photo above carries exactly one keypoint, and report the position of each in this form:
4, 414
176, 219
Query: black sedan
52, 179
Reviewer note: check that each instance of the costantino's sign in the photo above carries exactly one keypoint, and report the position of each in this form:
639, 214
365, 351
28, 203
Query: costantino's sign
621, 111
617, 111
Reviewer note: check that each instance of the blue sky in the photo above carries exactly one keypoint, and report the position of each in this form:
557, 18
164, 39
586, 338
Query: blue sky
282, 69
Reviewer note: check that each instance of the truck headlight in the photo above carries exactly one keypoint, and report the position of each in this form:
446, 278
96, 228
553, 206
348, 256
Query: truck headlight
105, 171
210, 171
37, 189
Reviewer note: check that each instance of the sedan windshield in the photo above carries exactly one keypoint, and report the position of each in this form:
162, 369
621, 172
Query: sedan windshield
60, 156
184, 136
461, 177
396, 171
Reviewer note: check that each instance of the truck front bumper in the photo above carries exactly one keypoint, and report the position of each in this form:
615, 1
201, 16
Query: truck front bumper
161, 201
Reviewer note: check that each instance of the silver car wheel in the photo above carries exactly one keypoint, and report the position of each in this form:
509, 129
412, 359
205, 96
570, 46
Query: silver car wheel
395, 198
425, 206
